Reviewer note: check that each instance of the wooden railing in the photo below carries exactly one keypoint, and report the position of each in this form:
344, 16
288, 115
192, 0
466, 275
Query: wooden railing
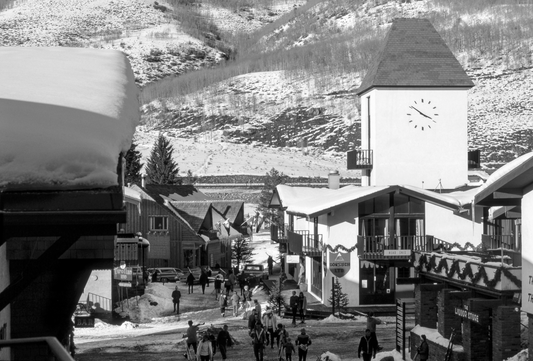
313, 244
359, 159
279, 233
394, 247
507, 242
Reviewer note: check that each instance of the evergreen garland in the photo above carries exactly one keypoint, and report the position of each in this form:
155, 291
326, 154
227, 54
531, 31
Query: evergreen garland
481, 273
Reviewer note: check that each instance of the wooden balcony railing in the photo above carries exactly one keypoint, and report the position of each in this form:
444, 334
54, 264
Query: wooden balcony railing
396, 247
359, 159
313, 244
496, 242
279, 233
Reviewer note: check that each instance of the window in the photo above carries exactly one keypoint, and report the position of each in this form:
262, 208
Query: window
404, 272
158, 223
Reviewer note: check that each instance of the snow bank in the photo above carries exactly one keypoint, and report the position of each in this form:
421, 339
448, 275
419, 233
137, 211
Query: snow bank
66, 115
151, 305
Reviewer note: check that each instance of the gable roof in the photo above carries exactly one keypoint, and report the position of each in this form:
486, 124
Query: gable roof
414, 54
194, 212
162, 192
229, 209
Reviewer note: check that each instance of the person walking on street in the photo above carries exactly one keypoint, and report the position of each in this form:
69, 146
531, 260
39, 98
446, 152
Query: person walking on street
289, 349
224, 341
423, 349
247, 299
303, 342
269, 322
293, 303
270, 262
232, 280
371, 323
257, 308
176, 295
190, 282
205, 349
281, 335
192, 339
219, 279
223, 303
203, 281
367, 346
302, 306
235, 300
252, 320
241, 279
258, 340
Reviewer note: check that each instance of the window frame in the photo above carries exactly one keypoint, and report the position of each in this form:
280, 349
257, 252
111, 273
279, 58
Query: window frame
153, 223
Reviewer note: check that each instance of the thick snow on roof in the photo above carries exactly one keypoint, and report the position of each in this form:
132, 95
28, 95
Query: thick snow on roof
66, 114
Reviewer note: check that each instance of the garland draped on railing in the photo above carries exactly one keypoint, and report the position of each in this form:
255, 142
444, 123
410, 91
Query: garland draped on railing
463, 248
466, 271
339, 246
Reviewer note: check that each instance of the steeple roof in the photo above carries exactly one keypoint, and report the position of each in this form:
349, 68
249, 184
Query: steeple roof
414, 54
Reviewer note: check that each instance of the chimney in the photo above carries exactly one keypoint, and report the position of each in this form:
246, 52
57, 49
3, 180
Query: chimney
334, 179
143, 180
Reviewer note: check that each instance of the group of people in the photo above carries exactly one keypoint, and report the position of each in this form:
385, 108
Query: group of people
209, 344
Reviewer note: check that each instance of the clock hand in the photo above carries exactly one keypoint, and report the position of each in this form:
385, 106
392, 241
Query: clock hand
422, 114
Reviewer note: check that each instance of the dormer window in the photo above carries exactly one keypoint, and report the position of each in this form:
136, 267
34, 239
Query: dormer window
158, 223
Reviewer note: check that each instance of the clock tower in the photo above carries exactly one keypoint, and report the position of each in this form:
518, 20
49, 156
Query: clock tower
414, 112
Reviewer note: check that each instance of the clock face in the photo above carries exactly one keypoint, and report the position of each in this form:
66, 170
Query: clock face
422, 114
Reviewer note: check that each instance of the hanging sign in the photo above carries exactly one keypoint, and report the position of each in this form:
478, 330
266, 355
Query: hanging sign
339, 263
125, 274
292, 258
461, 312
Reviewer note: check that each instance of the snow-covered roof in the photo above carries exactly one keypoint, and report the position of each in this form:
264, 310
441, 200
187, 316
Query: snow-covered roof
66, 114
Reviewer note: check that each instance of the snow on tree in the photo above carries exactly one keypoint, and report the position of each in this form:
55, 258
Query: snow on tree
132, 173
161, 168
65, 117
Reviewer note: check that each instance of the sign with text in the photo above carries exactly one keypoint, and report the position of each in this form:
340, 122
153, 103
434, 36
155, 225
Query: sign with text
125, 274
292, 258
124, 284
80, 321
339, 263
461, 312
397, 252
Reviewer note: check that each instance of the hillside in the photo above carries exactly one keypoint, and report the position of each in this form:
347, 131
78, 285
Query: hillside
281, 75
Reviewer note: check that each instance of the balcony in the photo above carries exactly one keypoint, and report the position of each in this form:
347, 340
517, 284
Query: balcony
359, 159
305, 243
279, 233
395, 247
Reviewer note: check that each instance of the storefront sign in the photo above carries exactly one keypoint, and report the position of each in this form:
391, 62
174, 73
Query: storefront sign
339, 263
292, 258
125, 274
80, 321
397, 252
461, 312
124, 284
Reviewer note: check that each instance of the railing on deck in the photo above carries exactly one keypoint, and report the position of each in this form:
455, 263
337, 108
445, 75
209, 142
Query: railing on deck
103, 302
507, 242
278, 232
384, 247
53, 344
312, 244
359, 159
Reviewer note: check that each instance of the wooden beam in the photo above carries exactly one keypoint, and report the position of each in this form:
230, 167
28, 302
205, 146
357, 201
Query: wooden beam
507, 194
44, 262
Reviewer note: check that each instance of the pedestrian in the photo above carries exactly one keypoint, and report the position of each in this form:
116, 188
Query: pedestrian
224, 341
227, 285
281, 335
303, 341
247, 298
293, 303
269, 322
192, 339
219, 278
223, 303
241, 278
367, 346
252, 320
258, 340
209, 273
257, 308
190, 282
270, 262
155, 275
176, 295
203, 281
233, 280
371, 323
205, 349
146, 276
302, 306
423, 349
288, 349
235, 301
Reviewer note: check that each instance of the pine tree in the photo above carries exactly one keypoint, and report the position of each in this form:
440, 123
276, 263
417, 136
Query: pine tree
341, 300
272, 179
241, 251
275, 298
161, 168
132, 173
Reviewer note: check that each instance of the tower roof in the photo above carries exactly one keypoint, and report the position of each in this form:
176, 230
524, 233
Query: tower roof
414, 54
